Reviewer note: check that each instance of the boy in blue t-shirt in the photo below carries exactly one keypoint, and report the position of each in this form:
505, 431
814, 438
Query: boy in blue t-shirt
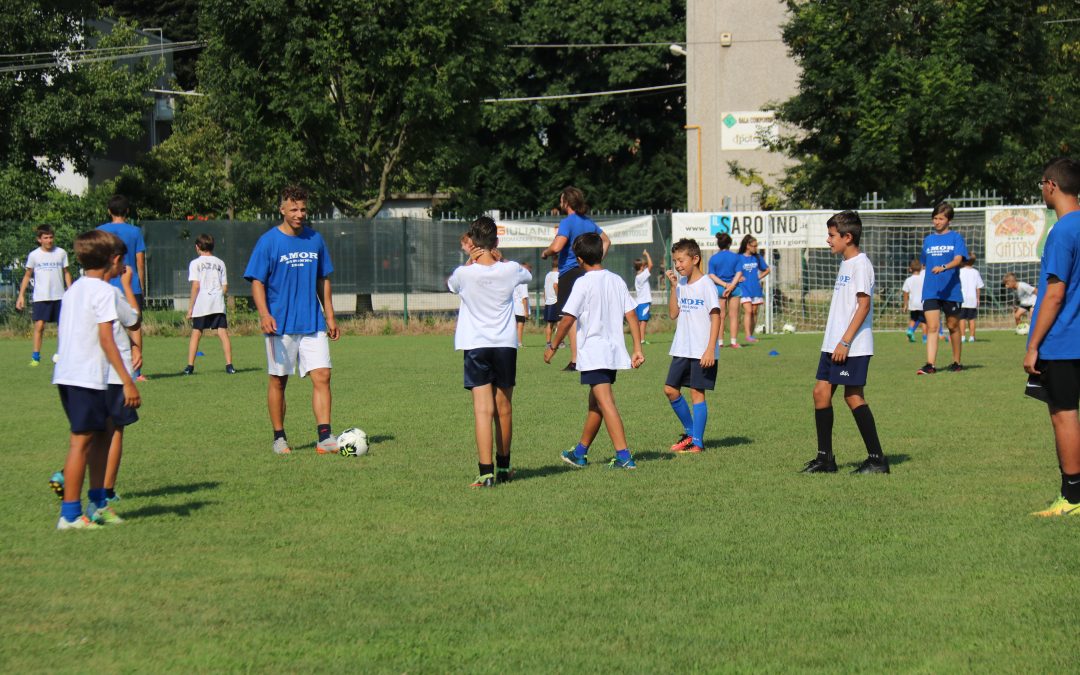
725, 273
288, 271
135, 258
943, 253
1052, 360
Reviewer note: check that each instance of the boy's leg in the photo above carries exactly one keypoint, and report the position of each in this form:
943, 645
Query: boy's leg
573, 344
547, 332
116, 451
275, 400
504, 426
824, 461
193, 346
682, 411
593, 419
39, 334
971, 330
137, 338
953, 324
604, 397
75, 465
864, 419
226, 344
483, 414
933, 325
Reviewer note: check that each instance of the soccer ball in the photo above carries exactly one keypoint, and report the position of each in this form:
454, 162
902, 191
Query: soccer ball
789, 328
352, 443
1023, 329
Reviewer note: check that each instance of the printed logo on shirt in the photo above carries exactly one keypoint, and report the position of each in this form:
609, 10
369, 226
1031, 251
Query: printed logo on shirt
298, 258
940, 249
205, 266
691, 303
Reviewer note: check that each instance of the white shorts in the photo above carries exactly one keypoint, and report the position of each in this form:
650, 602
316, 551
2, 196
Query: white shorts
310, 351
753, 301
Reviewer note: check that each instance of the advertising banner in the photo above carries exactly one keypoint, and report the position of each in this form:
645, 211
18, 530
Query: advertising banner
1016, 234
772, 229
746, 130
525, 234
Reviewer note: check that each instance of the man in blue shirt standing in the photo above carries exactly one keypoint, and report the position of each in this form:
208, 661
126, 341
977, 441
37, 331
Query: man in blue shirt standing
135, 258
576, 223
1052, 360
288, 271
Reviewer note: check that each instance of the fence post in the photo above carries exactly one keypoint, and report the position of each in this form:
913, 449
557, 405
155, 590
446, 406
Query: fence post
405, 267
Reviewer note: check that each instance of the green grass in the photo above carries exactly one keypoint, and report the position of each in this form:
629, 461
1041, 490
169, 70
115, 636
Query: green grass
235, 559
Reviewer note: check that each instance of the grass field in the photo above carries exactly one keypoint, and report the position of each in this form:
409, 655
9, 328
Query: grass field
233, 558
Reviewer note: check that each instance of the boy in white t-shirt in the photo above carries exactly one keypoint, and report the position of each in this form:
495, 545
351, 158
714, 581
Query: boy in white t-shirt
598, 303
551, 300
971, 285
695, 304
85, 353
485, 332
209, 286
48, 265
521, 307
1025, 296
643, 291
913, 299
847, 348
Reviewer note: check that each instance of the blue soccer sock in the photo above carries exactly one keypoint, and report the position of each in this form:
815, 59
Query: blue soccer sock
70, 511
581, 450
682, 411
36, 356
97, 496
701, 416
622, 455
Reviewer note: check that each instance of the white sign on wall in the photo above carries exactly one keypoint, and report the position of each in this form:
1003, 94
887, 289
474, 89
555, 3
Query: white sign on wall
746, 130
523, 234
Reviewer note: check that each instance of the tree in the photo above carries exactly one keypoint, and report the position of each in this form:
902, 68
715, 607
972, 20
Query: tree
355, 98
68, 110
179, 21
909, 97
625, 151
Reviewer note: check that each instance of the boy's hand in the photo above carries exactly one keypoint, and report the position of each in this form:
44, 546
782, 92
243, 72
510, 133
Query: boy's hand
125, 278
188, 314
548, 354
19, 304
131, 396
839, 354
1031, 357
637, 359
332, 331
708, 359
136, 357
267, 324
497, 254
672, 276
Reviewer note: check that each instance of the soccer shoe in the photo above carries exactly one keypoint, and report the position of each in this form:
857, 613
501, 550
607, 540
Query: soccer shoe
573, 460
955, 367
570, 367
690, 450
617, 463
504, 476
820, 465
281, 447
910, 334
928, 369
750, 340
80, 523
485, 481
229, 369
34, 363
189, 370
57, 483
328, 447
645, 342
684, 443
103, 515
736, 345
141, 378
872, 465
1059, 507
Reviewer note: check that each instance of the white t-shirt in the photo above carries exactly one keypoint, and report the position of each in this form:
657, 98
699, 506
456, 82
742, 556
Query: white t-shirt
600, 301
694, 325
521, 293
550, 279
970, 283
80, 360
855, 276
48, 269
486, 314
1025, 294
127, 316
209, 271
642, 288
913, 287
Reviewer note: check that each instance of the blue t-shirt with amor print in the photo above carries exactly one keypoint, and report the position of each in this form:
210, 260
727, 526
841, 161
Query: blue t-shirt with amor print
937, 250
289, 267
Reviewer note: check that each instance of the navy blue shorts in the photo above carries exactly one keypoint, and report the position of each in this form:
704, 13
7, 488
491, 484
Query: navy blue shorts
600, 376
491, 365
87, 410
120, 414
46, 310
850, 373
949, 307
687, 372
969, 313
917, 316
551, 313
521, 319
209, 322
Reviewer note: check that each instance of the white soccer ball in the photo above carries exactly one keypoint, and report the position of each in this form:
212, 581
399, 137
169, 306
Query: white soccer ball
1023, 329
56, 358
789, 328
352, 442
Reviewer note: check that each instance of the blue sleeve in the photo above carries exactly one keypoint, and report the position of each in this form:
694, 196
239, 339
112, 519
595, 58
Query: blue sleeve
961, 246
140, 243
564, 229
922, 253
713, 267
1057, 258
762, 265
258, 267
326, 266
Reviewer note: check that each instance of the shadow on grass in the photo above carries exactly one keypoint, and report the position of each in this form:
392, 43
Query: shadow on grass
542, 472
182, 510
894, 460
166, 490
381, 438
729, 442
165, 376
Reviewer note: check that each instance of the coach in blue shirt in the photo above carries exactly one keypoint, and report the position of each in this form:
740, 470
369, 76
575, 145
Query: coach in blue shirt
135, 258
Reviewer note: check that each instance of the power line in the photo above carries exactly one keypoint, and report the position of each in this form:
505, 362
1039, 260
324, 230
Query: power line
99, 50
556, 97
97, 59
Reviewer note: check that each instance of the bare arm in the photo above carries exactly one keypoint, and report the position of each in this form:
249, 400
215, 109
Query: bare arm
556, 246
673, 295
67, 278
840, 352
957, 261
648, 260
140, 263
606, 242
327, 298
112, 353
565, 324
194, 294
258, 296
709, 357
20, 302
637, 358
1048, 313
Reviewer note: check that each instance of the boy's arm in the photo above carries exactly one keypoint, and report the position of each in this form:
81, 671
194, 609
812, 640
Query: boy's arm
67, 278
140, 263
194, 294
328, 307
673, 296
648, 260
1048, 313
565, 323
20, 302
840, 352
267, 324
957, 261
112, 353
637, 358
129, 296
709, 357
907, 296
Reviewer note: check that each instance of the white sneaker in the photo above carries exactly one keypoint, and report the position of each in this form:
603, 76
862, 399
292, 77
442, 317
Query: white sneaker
327, 447
80, 523
281, 447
